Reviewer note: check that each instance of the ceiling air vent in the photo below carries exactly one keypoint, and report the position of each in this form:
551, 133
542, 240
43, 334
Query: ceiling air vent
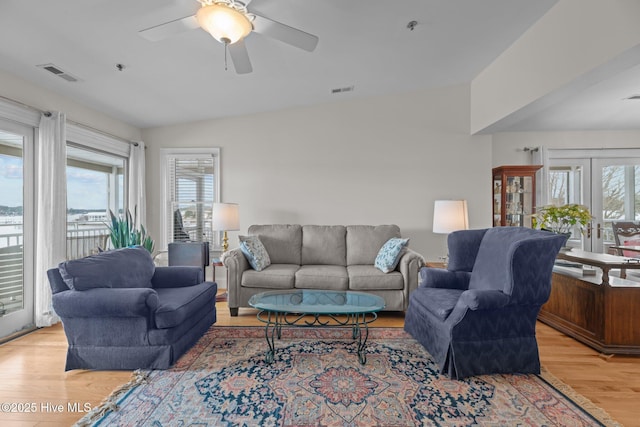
342, 89
54, 69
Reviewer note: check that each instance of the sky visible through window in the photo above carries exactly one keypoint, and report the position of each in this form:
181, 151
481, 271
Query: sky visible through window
86, 189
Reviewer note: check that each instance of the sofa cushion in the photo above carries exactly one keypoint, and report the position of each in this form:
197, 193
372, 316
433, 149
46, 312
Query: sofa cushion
178, 304
283, 242
389, 255
324, 245
364, 242
438, 301
255, 252
276, 276
119, 268
365, 277
329, 277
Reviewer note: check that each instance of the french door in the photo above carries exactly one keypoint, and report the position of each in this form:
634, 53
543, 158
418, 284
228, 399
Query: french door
16, 227
606, 181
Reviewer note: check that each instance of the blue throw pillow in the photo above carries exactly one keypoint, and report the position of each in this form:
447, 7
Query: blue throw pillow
389, 255
255, 252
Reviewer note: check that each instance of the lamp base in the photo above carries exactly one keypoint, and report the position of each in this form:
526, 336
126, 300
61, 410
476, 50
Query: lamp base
225, 242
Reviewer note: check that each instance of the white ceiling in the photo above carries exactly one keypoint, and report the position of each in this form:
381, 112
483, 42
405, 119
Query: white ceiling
363, 43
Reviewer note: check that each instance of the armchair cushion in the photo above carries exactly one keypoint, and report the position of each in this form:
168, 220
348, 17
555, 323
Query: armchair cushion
176, 304
493, 264
389, 254
439, 302
135, 269
256, 253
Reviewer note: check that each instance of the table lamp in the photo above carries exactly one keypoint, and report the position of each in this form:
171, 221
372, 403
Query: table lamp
225, 218
448, 216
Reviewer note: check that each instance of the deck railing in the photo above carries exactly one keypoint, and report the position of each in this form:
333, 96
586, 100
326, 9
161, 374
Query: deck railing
83, 239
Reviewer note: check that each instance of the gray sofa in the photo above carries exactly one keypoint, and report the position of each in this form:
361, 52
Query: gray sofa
323, 257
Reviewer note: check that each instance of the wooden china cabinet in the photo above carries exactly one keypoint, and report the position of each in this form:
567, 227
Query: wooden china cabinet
514, 194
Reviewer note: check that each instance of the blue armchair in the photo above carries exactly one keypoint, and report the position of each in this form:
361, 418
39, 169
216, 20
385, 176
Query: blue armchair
119, 311
479, 315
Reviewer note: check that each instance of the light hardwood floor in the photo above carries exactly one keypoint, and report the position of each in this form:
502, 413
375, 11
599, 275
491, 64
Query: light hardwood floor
32, 371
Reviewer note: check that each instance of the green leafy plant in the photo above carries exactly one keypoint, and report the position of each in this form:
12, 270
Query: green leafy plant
123, 232
562, 219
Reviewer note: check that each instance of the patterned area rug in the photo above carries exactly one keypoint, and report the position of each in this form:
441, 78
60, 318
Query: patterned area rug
316, 380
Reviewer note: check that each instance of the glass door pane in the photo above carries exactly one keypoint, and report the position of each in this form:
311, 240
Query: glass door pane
570, 182
617, 198
16, 229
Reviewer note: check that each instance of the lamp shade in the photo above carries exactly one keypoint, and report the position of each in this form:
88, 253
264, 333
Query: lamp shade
226, 217
450, 215
224, 23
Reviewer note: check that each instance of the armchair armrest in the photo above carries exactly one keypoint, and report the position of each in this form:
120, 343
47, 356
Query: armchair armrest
177, 277
441, 278
477, 299
106, 302
409, 265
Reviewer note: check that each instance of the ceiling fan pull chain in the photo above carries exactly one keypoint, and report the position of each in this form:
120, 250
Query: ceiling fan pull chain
225, 55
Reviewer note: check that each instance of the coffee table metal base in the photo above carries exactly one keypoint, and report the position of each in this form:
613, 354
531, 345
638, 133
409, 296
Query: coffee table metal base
274, 320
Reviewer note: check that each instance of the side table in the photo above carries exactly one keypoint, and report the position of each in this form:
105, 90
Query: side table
216, 262
435, 264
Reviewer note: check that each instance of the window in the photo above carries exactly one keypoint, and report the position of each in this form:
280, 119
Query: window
96, 183
192, 186
95, 186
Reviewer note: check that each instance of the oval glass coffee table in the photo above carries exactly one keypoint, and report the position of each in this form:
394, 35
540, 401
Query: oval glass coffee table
306, 307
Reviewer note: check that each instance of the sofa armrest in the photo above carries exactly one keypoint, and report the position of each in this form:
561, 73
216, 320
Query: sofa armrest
441, 278
477, 299
236, 263
177, 277
409, 265
106, 302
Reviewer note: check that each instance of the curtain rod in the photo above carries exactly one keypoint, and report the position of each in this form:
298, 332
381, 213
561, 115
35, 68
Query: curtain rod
48, 114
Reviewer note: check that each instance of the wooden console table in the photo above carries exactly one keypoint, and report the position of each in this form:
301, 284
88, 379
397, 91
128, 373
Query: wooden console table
601, 311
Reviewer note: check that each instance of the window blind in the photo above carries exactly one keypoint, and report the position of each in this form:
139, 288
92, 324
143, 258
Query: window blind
191, 188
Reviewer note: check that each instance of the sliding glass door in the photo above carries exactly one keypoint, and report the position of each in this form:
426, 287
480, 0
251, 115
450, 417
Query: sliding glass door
16, 228
606, 181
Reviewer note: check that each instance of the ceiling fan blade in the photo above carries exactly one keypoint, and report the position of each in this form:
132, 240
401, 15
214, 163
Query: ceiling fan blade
170, 28
240, 57
284, 33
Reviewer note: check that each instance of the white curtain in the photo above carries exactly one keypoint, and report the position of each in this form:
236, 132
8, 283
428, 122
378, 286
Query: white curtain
51, 210
539, 156
136, 199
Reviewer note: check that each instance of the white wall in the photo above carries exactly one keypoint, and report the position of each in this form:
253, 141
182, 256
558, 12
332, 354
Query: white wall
561, 54
508, 147
374, 161
16, 89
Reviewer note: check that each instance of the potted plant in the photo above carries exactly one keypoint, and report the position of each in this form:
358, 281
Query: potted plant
562, 219
123, 232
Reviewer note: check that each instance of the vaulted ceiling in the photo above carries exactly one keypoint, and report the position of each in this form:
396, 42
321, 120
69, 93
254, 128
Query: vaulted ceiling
364, 45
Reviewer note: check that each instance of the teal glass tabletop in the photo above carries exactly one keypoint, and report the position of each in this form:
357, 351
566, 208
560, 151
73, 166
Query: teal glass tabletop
317, 301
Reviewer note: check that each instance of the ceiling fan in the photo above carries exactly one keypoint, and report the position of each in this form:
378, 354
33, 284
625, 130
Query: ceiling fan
229, 22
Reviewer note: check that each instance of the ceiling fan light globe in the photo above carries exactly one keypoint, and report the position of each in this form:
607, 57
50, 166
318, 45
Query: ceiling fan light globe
224, 23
